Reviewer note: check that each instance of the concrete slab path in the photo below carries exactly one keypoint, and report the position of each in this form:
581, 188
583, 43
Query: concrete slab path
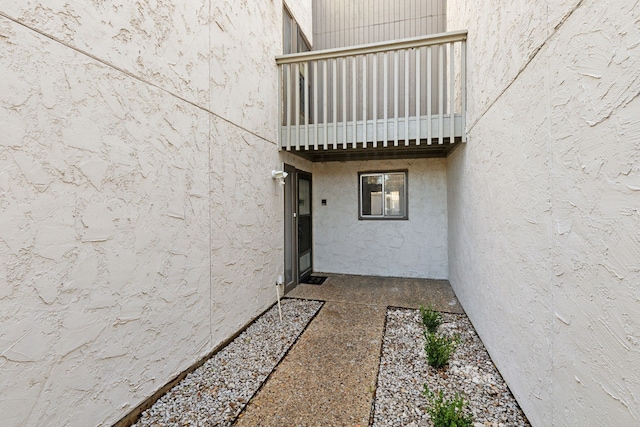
328, 378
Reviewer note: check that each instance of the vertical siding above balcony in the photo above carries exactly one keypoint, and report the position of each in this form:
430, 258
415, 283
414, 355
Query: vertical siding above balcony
340, 23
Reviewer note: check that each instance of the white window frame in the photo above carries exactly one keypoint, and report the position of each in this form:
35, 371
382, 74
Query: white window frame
362, 216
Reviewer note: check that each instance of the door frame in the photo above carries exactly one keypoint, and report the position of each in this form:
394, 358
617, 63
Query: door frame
291, 200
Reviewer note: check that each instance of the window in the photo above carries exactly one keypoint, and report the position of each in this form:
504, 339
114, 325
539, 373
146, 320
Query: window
293, 41
288, 25
383, 195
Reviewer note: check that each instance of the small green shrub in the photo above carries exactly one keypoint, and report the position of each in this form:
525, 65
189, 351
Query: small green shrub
447, 412
431, 319
439, 348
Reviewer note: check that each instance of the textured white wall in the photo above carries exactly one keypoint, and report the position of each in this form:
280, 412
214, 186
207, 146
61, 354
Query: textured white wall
544, 203
139, 224
416, 247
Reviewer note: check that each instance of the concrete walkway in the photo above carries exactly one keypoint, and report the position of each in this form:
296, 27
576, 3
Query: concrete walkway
382, 292
329, 376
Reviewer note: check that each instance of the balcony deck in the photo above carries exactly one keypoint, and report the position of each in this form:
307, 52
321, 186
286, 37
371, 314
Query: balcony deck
383, 100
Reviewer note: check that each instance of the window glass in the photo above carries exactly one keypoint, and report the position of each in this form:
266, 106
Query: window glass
287, 30
383, 195
371, 195
293, 40
394, 194
304, 197
303, 46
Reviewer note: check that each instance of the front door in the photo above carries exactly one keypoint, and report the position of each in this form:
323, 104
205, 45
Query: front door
297, 227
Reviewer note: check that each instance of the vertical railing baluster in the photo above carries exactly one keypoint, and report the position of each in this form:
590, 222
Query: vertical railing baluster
334, 88
364, 101
344, 103
440, 93
395, 98
354, 101
385, 95
429, 95
288, 112
296, 109
418, 96
306, 105
452, 100
406, 97
375, 100
315, 103
324, 102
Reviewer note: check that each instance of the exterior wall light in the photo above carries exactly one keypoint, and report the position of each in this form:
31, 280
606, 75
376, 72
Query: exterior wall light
279, 175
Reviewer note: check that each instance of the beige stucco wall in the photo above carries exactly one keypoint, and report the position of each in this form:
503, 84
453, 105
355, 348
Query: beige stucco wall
544, 202
139, 224
416, 247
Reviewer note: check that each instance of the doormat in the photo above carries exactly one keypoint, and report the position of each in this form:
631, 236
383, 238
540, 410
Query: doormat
315, 280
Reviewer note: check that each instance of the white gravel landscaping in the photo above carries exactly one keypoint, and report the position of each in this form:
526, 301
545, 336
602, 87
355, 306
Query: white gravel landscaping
215, 393
471, 373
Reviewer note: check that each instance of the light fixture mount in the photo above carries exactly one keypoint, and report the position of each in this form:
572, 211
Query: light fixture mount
279, 175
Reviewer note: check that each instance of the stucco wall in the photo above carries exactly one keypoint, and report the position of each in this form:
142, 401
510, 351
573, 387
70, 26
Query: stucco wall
416, 247
139, 224
544, 220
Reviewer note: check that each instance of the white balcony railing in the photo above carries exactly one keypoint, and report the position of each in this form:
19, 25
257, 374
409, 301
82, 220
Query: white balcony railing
396, 94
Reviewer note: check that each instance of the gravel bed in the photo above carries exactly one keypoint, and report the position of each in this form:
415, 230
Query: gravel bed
216, 393
471, 373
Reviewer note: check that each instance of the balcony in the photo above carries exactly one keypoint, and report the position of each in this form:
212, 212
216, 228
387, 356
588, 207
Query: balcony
400, 99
